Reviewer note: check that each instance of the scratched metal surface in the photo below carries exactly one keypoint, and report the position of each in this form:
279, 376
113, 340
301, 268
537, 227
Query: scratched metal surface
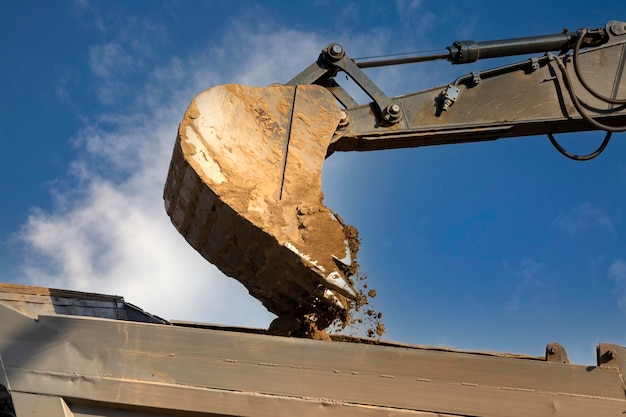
106, 365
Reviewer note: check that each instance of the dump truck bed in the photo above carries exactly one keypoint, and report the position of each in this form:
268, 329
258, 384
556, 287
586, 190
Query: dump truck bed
78, 362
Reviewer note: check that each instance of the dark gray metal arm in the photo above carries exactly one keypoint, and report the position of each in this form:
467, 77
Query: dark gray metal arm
538, 96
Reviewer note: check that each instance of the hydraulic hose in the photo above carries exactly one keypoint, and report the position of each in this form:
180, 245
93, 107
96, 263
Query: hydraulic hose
579, 107
580, 77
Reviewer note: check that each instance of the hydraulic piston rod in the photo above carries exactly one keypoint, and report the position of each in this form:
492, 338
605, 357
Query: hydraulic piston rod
463, 52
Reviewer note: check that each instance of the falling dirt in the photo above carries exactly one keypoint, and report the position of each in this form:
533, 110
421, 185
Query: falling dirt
244, 189
362, 320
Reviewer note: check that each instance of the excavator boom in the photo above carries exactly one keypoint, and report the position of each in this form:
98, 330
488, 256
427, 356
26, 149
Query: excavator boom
244, 186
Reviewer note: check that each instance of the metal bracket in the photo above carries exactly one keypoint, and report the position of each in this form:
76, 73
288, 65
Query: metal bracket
534, 63
476, 77
449, 96
334, 58
617, 28
556, 353
611, 356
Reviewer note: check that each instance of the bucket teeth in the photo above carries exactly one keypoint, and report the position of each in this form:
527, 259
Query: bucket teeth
336, 282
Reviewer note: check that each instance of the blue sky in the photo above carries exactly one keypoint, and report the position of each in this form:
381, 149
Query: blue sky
501, 246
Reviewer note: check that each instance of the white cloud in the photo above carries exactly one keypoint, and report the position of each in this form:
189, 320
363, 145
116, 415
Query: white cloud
108, 58
414, 14
128, 52
109, 231
117, 240
111, 234
585, 217
64, 76
408, 5
617, 272
529, 271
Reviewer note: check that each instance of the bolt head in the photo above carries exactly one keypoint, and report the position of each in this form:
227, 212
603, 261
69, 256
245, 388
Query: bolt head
335, 51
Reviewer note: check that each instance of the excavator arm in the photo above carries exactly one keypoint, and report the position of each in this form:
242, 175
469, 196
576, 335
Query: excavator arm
545, 95
244, 185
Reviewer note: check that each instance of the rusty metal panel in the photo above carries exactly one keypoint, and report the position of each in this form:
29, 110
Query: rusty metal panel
35, 301
149, 368
40, 405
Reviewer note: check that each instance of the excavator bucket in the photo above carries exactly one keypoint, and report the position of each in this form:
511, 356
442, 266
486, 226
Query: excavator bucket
244, 189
